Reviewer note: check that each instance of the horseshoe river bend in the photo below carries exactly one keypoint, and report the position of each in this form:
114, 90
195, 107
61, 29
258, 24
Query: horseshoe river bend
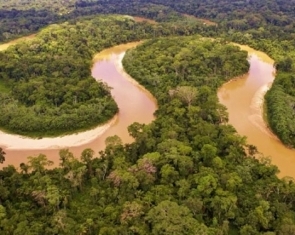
243, 98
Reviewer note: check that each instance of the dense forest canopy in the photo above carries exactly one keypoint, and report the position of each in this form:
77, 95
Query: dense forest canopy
57, 6
188, 172
48, 88
185, 61
273, 15
52, 90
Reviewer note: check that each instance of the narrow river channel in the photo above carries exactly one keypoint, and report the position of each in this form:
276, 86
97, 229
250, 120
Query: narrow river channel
243, 98
135, 105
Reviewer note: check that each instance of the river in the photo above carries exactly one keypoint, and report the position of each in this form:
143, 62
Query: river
135, 105
243, 98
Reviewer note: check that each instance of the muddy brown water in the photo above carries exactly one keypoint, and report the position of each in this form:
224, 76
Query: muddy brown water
243, 98
135, 105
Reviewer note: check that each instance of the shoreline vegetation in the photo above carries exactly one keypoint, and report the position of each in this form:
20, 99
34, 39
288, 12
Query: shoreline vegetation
100, 55
187, 172
261, 55
260, 33
13, 141
280, 98
97, 56
32, 108
53, 114
263, 91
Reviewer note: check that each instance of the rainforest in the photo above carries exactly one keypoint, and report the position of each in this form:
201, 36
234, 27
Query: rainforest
186, 172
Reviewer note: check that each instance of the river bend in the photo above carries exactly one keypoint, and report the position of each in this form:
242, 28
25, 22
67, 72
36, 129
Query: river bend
135, 105
243, 98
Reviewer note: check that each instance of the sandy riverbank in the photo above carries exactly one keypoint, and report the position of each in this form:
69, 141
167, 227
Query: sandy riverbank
11, 141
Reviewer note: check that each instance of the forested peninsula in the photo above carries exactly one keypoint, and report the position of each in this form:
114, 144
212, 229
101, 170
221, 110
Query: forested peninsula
48, 80
265, 25
188, 172
46, 83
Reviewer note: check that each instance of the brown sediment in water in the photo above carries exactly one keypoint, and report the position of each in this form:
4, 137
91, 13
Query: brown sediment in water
244, 99
135, 104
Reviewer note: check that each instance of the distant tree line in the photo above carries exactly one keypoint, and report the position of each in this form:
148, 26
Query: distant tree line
188, 172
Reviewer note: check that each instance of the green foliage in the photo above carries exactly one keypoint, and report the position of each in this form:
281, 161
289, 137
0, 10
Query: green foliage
187, 172
2, 155
280, 102
185, 62
170, 218
52, 88
280, 99
56, 6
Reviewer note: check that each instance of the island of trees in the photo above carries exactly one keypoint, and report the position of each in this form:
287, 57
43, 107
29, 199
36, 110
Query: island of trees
188, 172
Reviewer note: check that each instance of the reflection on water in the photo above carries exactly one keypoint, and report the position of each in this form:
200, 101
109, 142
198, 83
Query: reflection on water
135, 105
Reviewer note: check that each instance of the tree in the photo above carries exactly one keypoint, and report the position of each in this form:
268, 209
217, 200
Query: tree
207, 184
208, 152
186, 93
2, 212
224, 205
53, 197
66, 159
131, 211
86, 158
39, 163
170, 218
2, 155
75, 176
